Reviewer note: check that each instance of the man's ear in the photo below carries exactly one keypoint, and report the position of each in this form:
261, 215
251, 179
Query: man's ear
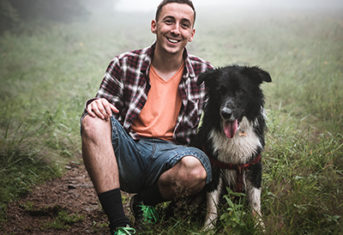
191, 38
153, 26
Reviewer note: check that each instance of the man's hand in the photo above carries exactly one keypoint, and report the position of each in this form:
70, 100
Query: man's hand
101, 108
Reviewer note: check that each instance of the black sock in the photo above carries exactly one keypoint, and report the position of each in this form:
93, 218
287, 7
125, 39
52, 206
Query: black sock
151, 196
112, 205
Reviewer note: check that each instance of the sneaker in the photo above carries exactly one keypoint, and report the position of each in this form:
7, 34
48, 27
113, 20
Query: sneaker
125, 231
143, 214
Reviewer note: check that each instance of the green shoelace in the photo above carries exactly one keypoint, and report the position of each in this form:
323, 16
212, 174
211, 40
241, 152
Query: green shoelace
125, 231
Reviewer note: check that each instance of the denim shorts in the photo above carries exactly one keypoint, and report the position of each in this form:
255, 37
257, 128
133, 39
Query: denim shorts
142, 162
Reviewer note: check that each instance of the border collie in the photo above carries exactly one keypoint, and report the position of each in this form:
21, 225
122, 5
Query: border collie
232, 135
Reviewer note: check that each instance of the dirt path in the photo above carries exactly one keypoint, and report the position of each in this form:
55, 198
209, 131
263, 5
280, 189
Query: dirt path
67, 205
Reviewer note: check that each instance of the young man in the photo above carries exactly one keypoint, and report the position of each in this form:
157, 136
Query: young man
135, 132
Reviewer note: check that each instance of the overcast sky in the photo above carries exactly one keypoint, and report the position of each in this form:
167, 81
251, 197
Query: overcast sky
150, 5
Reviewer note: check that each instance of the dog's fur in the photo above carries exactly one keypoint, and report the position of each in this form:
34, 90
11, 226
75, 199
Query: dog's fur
232, 131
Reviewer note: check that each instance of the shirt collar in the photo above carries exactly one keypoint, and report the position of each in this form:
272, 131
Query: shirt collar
189, 71
149, 54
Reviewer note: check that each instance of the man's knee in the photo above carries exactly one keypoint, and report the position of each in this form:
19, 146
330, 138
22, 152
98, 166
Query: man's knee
186, 178
92, 126
192, 169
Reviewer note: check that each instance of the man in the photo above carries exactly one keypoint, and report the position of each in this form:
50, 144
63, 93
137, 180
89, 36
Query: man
135, 132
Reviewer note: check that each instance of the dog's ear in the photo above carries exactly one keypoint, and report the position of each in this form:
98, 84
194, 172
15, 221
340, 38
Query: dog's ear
259, 75
208, 77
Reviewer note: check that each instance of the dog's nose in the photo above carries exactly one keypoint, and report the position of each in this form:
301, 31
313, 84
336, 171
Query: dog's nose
226, 112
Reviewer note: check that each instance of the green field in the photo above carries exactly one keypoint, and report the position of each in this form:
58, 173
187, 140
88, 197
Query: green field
48, 72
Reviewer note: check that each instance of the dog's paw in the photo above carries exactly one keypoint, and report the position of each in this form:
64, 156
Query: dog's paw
260, 224
208, 226
207, 229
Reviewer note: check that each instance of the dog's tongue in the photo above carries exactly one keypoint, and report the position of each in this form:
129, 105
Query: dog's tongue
230, 128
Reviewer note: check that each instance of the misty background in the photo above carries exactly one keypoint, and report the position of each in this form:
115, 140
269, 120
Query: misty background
132, 18
54, 54
15, 13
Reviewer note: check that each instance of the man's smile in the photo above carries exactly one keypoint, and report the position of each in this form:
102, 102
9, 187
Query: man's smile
173, 40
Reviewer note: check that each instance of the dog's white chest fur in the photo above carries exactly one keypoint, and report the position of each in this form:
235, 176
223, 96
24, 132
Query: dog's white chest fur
238, 149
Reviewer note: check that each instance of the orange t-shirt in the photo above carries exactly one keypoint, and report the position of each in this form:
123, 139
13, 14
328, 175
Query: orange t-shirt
159, 114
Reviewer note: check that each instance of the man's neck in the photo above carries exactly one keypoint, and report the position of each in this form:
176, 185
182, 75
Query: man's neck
166, 65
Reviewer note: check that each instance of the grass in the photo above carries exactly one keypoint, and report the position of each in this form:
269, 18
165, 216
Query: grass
302, 180
61, 219
64, 220
47, 74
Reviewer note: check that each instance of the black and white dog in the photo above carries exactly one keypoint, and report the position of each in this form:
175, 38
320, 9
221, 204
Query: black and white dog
232, 134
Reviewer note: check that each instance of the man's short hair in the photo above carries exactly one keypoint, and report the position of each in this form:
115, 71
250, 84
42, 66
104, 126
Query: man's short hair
165, 2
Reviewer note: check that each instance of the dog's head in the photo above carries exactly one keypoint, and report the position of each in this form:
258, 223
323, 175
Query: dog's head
234, 93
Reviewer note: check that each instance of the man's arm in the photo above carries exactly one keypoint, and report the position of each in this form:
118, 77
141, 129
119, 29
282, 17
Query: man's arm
108, 96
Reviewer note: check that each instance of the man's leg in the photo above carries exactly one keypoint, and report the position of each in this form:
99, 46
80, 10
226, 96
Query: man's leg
187, 177
100, 162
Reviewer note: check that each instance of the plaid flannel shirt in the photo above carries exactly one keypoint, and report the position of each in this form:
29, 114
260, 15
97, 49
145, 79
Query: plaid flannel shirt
126, 86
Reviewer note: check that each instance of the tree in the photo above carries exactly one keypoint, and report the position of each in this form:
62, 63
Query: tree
14, 12
8, 15
57, 10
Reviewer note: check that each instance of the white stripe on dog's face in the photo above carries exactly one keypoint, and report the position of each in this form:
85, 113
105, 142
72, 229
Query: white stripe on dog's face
228, 110
240, 148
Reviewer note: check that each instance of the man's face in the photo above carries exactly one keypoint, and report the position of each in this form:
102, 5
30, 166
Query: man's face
174, 27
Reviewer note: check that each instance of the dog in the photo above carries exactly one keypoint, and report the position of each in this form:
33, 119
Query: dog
232, 135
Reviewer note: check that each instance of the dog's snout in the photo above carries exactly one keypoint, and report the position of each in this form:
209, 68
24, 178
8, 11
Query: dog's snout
226, 112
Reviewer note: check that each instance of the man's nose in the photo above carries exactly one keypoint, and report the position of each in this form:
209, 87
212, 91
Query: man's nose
176, 29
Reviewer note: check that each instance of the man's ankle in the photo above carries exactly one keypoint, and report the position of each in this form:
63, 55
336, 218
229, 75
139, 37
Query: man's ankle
112, 205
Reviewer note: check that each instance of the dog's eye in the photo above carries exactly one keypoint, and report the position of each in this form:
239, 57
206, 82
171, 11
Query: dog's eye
241, 91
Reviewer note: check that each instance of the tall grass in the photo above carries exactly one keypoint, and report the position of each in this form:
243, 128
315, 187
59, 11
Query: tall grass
303, 166
48, 73
40, 106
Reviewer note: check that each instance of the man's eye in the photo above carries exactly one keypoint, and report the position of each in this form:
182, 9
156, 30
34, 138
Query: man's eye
168, 21
185, 25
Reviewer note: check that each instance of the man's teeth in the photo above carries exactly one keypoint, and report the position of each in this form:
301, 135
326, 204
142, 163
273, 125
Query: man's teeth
172, 40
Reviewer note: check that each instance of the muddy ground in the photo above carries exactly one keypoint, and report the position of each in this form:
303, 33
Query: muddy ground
67, 205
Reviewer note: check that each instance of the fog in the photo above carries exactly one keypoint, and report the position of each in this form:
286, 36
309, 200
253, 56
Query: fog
143, 10
210, 11
150, 5
136, 13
